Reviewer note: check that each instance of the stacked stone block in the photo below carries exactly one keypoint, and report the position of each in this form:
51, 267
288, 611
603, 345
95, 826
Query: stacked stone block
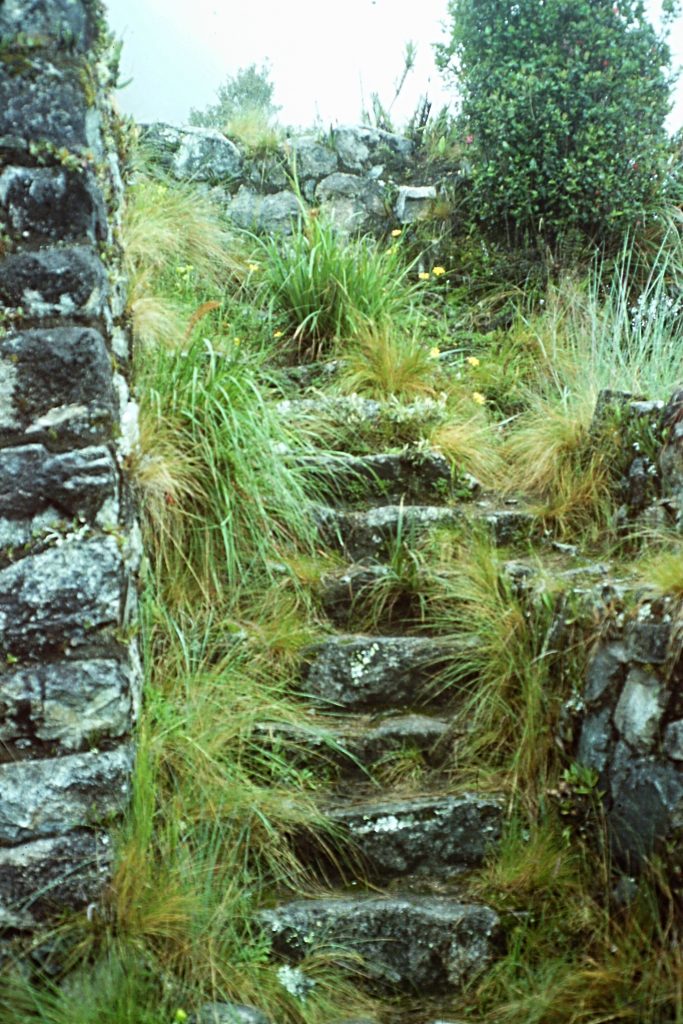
69, 548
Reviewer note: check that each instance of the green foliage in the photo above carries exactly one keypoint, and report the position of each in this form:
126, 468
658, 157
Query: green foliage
248, 91
563, 104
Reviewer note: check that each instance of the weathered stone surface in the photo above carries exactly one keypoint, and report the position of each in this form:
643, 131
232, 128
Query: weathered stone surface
339, 409
418, 943
57, 599
340, 591
204, 154
671, 465
269, 173
367, 534
361, 147
227, 1013
56, 388
510, 526
52, 203
648, 642
51, 797
68, 704
271, 214
673, 740
425, 836
605, 672
47, 104
414, 202
55, 282
76, 483
64, 23
390, 476
311, 159
49, 876
373, 671
352, 203
647, 805
595, 740
640, 708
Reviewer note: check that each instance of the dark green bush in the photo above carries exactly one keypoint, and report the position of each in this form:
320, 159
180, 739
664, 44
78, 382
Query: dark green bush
563, 105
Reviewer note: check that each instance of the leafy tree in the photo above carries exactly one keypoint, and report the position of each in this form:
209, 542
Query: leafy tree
563, 105
248, 92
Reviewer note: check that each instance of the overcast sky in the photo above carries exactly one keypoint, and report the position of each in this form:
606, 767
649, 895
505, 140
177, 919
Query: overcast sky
326, 56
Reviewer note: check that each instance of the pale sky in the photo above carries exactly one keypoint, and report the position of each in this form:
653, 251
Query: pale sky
326, 56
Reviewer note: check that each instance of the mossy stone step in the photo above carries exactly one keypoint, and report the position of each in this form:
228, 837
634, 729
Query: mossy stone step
409, 943
435, 835
355, 747
385, 476
362, 672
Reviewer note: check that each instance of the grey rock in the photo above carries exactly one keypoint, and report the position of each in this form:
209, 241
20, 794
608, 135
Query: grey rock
311, 159
605, 672
55, 282
411, 943
57, 599
204, 154
595, 740
51, 797
48, 876
368, 534
56, 388
671, 469
640, 709
352, 203
48, 104
67, 24
510, 526
648, 642
646, 809
361, 147
270, 173
400, 732
340, 591
425, 836
228, 1013
414, 202
390, 476
53, 204
373, 671
673, 740
340, 409
67, 704
270, 214
76, 483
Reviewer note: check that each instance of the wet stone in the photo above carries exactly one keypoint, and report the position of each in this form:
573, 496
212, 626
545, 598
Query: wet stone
358, 672
51, 797
59, 598
56, 388
410, 943
55, 282
53, 204
48, 876
75, 483
426, 836
45, 104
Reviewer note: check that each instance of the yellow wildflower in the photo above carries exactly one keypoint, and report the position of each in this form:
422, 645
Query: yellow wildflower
251, 267
438, 271
396, 232
423, 275
435, 352
180, 1016
277, 334
236, 340
478, 398
472, 360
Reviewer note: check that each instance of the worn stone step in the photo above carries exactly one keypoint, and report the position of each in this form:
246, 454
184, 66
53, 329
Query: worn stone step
369, 534
354, 748
413, 475
362, 672
409, 943
435, 835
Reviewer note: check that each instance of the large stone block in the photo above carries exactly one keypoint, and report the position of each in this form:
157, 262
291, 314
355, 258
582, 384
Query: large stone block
56, 388
51, 797
67, 24
55, 282
46, 203
66, 705
76, 483
42, 103
58, 599
49, 876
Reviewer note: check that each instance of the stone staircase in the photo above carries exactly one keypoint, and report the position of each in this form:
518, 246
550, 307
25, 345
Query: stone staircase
399, 903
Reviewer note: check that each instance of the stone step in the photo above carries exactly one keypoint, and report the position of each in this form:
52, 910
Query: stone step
388, 476
435, 835
408, 943
363, 672
355, 747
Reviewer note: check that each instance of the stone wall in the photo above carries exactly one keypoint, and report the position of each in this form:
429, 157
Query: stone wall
69, 547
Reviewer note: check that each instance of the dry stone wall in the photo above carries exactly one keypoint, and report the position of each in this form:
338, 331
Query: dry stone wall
69, 547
